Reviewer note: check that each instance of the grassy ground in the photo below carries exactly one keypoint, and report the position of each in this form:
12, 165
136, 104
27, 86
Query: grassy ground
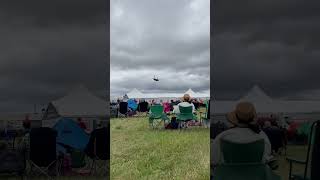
138, 152
297, 152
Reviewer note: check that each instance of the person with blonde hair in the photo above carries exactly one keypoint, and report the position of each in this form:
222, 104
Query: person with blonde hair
245, 130
186, 102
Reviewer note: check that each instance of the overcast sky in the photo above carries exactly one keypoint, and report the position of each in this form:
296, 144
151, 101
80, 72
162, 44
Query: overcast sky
169, 39
275, 44
48, 47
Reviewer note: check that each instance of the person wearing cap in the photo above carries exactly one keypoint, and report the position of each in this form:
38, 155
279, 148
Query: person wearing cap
185, 103
244, 130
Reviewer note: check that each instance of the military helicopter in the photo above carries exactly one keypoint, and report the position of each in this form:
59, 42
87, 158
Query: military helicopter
155, 79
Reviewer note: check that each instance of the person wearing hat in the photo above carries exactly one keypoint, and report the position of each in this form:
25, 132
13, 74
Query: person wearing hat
244, 130
186, 102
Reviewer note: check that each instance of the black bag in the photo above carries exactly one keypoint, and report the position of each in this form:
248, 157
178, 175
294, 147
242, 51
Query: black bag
173, 124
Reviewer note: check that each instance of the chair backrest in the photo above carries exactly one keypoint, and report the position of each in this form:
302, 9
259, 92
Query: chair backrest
123, 107
315, 156
185, 110
143, 106
239, 153
43, 146
156, 109
208, 110
99, 144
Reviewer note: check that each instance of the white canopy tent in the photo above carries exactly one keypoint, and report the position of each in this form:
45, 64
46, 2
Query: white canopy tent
265, 104
79, 103
135, 93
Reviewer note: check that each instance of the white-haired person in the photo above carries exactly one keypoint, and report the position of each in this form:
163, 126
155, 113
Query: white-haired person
244, 130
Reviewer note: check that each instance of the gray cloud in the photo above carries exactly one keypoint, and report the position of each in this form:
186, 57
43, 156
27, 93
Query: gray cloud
50, 47
169, 39
274, 44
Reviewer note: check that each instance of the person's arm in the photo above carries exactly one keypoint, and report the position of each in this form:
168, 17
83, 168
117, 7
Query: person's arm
267, 148
215, 151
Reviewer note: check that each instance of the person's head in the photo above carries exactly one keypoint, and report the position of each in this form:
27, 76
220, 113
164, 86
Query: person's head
244, 115
186, 98
267, 124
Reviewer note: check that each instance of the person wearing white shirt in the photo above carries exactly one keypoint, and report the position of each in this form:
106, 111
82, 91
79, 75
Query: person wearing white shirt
186, 103
245, 130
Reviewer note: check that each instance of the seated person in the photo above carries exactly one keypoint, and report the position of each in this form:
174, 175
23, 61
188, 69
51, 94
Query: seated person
244, 130
24, 144
186, 103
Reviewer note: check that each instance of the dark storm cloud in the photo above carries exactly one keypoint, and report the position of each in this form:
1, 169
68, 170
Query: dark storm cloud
58, 12
48, 48
169, 39
274, 44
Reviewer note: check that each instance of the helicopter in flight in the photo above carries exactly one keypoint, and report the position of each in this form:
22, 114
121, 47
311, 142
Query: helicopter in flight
155, 79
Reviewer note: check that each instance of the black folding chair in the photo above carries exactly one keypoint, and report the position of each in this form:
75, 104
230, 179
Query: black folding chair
123, 109
312, 159
98, 149
143, 107
43, 155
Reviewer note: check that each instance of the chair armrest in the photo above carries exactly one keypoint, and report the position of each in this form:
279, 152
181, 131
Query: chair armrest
291, 160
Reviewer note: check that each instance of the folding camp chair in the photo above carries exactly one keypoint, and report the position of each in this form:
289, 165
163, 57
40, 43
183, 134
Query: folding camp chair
157, 116
98, 149
243, 161
205, 117
123, 109
312, 159
143, 107
113, 111
184, 116
43, 154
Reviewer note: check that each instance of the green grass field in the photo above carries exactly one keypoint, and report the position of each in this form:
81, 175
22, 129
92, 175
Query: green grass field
138, 152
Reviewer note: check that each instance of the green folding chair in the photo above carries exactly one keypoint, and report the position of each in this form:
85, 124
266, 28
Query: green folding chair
157, 116
243, 162
205, 117
185, 115
78, 159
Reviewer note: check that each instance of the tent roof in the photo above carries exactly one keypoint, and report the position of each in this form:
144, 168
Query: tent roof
135, 93
256, 94
190, 92
265, 104
80, 102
